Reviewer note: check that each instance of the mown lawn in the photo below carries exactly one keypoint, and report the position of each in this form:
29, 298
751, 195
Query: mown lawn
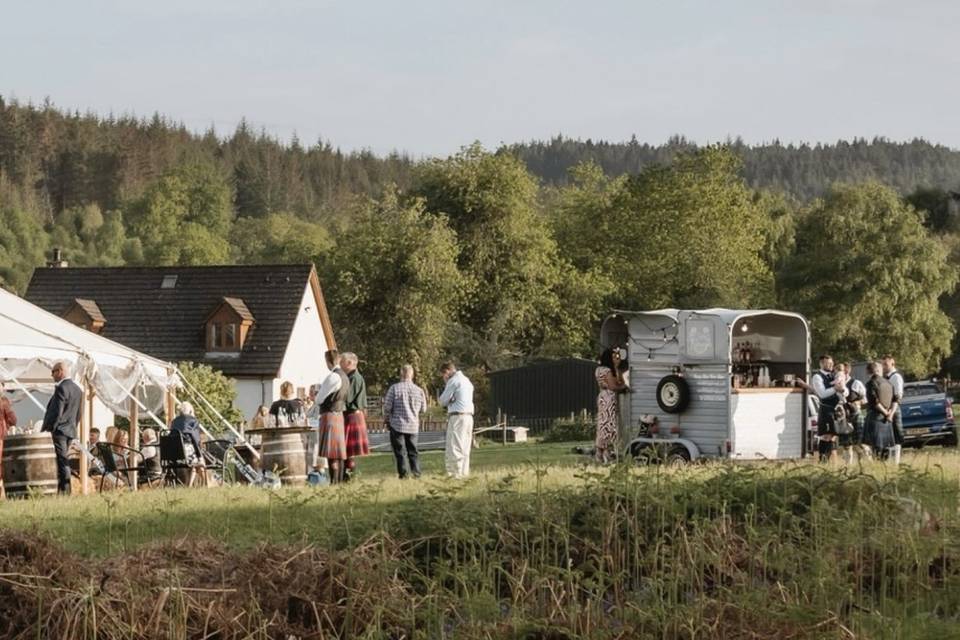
242, 516
488, 456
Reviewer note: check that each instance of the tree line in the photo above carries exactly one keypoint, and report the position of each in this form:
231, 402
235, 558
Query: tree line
475, 256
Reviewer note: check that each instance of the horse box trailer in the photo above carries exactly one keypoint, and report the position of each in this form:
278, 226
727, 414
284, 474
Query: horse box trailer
715, 383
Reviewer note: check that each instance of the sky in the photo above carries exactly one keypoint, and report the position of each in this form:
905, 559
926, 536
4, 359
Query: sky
428, 77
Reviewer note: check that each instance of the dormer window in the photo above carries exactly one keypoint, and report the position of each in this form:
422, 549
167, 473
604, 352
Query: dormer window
227, 326
85, 313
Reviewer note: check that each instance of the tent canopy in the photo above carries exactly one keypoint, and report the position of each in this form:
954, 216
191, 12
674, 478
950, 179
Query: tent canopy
31, 340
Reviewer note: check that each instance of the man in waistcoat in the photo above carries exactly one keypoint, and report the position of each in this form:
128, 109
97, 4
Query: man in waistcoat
332, 398
831, 393
895, 378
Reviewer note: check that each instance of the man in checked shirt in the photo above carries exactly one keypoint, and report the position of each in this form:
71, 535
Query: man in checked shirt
402, 406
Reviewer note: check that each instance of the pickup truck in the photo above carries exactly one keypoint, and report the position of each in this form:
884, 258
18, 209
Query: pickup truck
927, 414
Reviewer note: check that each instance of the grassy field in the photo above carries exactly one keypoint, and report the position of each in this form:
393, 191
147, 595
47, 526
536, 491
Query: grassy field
535, 545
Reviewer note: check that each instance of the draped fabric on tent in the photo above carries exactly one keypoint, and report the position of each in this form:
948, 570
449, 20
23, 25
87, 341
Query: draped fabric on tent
31, 340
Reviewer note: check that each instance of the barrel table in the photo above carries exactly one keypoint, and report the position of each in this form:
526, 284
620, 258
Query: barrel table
29, 464
283, 451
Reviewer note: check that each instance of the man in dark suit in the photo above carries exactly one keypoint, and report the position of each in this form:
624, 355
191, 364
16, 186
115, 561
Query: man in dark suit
61, 418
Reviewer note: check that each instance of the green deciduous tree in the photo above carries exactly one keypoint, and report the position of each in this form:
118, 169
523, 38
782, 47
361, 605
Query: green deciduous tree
23, 242
869, 277
184, 218
279, 238
689, 234
219, 390
392, 286
522, 297
89, 238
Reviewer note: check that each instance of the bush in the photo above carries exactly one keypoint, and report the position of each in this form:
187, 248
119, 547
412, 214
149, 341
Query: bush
573, 429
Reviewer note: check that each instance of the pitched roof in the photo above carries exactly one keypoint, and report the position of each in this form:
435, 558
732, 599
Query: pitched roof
169, 323
239, 308
91, 309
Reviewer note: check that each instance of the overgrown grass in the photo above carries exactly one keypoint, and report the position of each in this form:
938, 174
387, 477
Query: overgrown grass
787, 550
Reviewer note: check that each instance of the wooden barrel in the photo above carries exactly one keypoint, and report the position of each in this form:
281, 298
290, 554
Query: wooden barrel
282, 452
29, 464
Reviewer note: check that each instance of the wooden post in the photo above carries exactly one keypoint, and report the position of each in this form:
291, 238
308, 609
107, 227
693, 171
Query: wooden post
168, 407
134, 439
86, 422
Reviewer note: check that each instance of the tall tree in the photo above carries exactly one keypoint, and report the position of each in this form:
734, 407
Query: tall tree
515, 276
279, 238
184, 218
392, 286
23, 242
869, 277
688, 234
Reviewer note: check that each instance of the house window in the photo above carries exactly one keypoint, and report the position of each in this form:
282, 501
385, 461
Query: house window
229, 336
168, 282
222, 336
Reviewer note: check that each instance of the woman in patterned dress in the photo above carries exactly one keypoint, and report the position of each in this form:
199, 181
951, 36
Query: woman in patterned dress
610, 381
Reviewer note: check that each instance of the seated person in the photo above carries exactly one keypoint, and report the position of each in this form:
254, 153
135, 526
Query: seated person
151, 456
186, 423
93, 439
259, 420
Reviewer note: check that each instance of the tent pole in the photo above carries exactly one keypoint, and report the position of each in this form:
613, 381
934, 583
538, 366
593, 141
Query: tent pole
86, 421
134, 413
168, 405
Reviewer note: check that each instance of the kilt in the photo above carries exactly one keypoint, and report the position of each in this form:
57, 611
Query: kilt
356, 430
333, 443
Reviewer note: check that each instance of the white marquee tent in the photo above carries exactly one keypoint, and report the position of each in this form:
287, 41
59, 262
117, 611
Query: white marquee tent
124, 380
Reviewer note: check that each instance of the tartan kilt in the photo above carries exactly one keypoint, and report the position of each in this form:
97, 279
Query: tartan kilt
333, 442
356, 429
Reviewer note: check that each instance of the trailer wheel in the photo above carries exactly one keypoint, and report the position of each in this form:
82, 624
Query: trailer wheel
643, 454
673, 394
678, 456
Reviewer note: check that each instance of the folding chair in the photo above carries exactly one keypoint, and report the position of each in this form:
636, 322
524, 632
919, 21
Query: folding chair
174, 459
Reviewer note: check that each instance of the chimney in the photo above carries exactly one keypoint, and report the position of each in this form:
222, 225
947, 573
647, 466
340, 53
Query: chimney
58, 262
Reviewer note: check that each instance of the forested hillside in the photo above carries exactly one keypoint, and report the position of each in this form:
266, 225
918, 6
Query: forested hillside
492, 257
803, 171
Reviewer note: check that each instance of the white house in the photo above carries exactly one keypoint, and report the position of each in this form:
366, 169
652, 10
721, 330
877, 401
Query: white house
260, 325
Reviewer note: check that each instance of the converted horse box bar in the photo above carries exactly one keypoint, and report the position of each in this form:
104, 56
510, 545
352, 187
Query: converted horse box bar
714, 383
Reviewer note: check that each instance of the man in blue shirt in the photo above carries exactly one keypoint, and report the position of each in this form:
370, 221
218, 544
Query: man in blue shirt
457, 397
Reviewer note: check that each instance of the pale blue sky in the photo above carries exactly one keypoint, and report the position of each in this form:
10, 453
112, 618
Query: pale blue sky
427, 77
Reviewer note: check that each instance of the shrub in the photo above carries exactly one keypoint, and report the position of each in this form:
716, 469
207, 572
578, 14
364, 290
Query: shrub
572, 429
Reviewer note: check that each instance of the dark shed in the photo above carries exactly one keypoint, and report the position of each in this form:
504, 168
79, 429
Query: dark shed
544, 389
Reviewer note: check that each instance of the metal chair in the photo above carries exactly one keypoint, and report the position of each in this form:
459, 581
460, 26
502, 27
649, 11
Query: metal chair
106, 453
174, 459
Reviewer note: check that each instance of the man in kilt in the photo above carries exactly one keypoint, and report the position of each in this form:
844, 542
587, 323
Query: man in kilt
354, 415
332, 397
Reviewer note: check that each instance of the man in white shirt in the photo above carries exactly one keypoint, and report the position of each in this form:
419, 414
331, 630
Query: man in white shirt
457, 397
895, 378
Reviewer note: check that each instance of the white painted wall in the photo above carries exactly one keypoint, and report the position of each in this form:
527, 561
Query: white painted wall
251, 393
303, 363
